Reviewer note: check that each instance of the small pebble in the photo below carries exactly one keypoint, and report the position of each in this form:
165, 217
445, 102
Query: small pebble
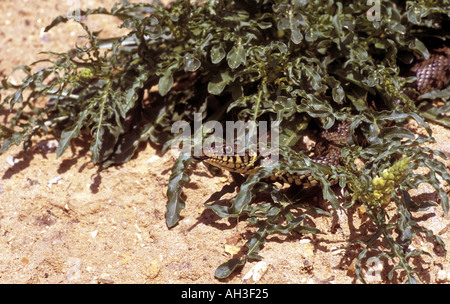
48, 145
256, 272
12, 160
153, 159
232, 250
74, 269
152, 270
94, 234
442, 276
105, 279
54, 181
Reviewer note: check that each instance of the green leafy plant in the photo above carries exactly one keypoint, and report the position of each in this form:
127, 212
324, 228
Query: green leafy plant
303, 64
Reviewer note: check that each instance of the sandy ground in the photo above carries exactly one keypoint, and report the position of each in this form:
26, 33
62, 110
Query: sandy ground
61, 221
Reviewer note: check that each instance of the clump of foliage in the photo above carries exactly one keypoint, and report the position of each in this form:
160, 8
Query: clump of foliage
300, 63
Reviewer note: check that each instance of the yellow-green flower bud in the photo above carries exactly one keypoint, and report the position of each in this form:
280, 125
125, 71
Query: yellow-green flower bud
378, 183
86, 74
377, 194
384, 185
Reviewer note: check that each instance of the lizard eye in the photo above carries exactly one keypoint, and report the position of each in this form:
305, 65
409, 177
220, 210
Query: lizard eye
228, 150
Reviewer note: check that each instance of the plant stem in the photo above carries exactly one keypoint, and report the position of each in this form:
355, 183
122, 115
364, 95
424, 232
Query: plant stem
378, 219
